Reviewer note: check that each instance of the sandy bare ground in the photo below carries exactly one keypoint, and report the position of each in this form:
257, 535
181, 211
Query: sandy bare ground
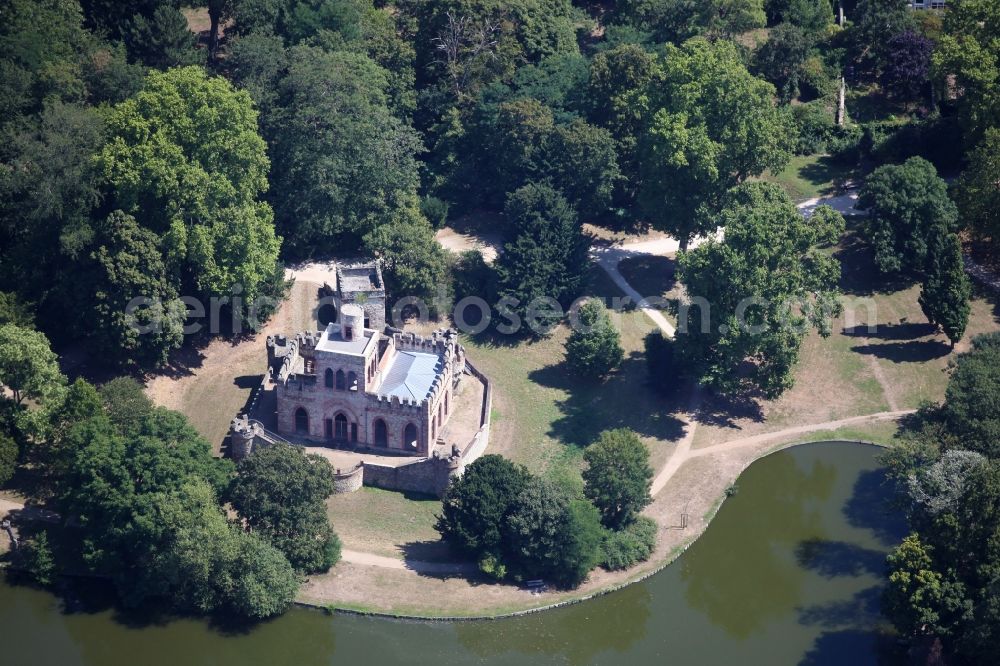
458, 242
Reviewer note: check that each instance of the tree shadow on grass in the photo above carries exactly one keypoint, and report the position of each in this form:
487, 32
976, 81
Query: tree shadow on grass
831, 559
826, 170
914, 351
727, 411
901, 331
858, 274
433, 559
622, 401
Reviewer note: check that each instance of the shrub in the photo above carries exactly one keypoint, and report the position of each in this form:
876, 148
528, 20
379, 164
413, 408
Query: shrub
594, 348
816, 126
627, 547
36, 559
845, 144
472, 276
815, 80
491, 565
8, 458
435, 210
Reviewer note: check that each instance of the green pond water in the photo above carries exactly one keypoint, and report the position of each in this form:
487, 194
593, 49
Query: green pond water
787, 573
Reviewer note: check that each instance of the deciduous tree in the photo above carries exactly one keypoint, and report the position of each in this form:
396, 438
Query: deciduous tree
281, 493
618, 476
908, 207
761, 289
715, 126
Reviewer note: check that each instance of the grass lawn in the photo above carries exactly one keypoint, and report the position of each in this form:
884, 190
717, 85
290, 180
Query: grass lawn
544, 415
899, 364
212, 384
809, 176
388, 523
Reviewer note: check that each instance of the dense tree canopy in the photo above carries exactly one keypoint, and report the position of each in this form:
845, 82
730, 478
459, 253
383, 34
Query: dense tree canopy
184, 157
715, 126
281, 493
545, 258
908, 206
759, 290
477, 502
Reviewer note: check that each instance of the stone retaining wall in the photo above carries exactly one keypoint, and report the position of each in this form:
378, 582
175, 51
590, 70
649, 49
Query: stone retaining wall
348, 481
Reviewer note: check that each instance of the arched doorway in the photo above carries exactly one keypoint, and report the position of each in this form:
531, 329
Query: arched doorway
410, 438
340, 427
381, 433
301, 421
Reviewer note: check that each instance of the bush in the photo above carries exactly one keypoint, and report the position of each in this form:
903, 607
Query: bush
815, 80
816, 127
845, 144
627, 547
492, 566
36, 559
435, 210
8, 458
594, 347
472, 276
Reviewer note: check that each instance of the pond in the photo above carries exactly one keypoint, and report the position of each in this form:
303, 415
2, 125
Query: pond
788, 573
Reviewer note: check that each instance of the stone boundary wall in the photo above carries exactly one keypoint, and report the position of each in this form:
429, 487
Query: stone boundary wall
349, 481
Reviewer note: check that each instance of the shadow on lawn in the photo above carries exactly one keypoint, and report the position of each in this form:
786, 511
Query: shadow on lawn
622, 401
826, 170
914, 351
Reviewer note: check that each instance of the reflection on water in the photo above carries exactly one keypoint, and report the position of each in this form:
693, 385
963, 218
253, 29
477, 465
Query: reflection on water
787, 573
742, 573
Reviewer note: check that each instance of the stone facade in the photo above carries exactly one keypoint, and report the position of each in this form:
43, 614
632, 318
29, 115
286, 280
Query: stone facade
368, 390
359, 283
357, 387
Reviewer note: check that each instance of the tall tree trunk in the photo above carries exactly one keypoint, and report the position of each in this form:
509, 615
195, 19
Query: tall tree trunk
213, 32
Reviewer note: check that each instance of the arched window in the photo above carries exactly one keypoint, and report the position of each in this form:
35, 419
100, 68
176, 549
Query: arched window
381, 433
341, 380
410, 437
352, 380
433, 430
446, 402
301, 421
340, 427
328, 378
439, 414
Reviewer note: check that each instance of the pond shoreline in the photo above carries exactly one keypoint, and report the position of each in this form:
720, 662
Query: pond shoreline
657, 567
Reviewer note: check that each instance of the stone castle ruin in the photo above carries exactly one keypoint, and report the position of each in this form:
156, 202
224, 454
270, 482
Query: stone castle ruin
360, 387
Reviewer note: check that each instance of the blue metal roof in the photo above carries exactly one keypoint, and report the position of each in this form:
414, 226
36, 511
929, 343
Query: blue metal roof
410, 375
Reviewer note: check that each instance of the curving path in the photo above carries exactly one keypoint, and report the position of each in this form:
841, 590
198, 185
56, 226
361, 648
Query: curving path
684, 453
